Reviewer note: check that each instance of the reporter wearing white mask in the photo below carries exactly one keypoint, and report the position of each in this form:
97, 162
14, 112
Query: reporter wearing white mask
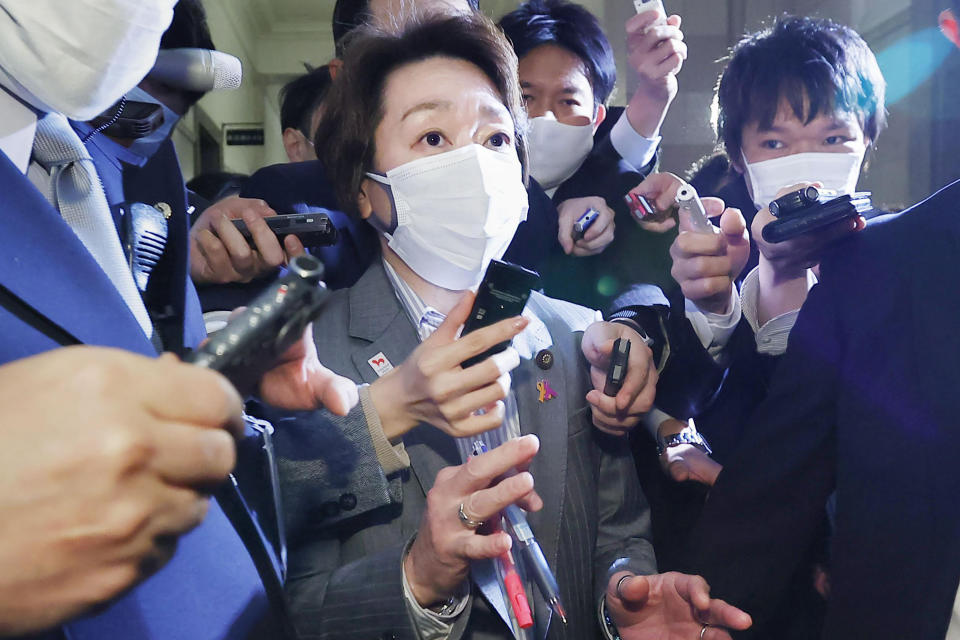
567, 74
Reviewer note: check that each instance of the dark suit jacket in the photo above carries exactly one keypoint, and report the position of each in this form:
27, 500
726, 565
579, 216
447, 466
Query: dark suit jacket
302, 187
863, 403
635, 255
345, 580
52, 292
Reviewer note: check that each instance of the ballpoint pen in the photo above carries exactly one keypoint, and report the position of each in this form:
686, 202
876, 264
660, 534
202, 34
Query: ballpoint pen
511, 579
529, 551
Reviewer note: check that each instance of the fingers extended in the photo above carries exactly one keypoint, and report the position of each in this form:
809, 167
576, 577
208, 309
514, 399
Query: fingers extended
478, 472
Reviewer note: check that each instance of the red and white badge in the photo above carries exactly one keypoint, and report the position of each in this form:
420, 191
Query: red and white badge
380, 364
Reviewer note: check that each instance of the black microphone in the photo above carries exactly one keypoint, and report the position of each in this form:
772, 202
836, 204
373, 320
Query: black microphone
251, 343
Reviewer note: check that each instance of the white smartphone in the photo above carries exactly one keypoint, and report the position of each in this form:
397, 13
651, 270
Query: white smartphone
649, 5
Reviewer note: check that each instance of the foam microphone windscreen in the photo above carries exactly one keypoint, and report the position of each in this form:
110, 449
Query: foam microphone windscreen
197, 69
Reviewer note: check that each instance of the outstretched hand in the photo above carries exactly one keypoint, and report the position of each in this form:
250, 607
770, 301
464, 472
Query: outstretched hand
670, 606
298, 381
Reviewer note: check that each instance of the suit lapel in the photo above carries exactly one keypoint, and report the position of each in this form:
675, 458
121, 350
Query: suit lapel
549, 421
377, 318
37, 246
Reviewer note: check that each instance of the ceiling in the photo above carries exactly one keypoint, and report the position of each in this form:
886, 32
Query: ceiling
298, 15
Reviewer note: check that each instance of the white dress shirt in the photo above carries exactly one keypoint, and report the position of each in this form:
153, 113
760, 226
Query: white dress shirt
636, 149
18, 124
953, 631
714, 330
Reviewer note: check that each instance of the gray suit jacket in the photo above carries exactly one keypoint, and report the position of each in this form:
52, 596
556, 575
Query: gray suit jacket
344, 579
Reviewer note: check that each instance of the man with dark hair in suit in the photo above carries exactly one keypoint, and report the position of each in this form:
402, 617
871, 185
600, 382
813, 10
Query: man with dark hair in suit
863, 404
586, 154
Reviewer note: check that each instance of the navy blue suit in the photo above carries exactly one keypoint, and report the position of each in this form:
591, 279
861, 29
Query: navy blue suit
52, 292
303, 186
864, 403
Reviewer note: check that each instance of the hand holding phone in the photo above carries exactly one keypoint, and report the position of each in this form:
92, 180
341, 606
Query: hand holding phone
503, 293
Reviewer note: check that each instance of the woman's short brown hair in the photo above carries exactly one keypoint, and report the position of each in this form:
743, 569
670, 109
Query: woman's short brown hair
354, 106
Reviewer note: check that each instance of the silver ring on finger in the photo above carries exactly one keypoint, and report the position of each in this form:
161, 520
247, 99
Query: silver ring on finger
467, 521
703, 630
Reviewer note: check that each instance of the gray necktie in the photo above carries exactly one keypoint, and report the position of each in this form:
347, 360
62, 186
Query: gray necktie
78, 196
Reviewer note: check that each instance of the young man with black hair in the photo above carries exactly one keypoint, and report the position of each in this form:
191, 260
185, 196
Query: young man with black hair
300, 101
567, 72
863, 404
801, 100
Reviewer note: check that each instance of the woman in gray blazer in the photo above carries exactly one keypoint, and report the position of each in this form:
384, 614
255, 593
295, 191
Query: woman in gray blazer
423, 138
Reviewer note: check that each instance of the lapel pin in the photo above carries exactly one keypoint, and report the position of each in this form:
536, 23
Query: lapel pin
544, 359
164, 208
380, 364
546, 391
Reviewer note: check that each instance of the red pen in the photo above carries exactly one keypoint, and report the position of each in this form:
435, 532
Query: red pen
511, 579
515, 592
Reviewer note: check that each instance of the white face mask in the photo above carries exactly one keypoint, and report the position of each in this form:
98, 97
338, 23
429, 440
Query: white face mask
557, 150
455, 212
836, 171
78, 57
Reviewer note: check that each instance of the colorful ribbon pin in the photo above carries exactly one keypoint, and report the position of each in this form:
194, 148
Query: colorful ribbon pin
546, 391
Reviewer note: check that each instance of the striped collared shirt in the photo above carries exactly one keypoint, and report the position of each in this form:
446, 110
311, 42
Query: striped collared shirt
426, 319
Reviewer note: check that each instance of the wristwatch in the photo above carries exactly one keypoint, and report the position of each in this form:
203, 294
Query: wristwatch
688, 435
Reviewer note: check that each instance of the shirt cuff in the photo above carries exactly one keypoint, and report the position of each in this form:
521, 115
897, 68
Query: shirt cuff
653, 419
636, 149
715, 329
392, 458
431, 625
773, 336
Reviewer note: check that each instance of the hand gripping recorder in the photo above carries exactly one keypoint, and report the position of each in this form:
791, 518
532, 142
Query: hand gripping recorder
252, 342
811, 208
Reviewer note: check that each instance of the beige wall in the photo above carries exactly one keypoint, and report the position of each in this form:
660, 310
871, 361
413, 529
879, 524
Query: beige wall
275, 37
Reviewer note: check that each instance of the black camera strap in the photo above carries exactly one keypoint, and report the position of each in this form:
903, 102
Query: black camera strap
30, 316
